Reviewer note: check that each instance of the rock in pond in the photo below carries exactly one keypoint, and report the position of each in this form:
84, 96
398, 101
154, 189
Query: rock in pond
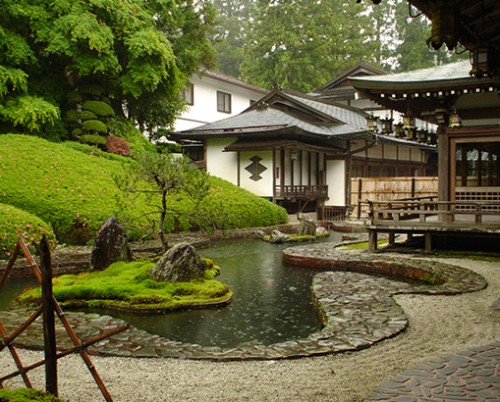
181, 263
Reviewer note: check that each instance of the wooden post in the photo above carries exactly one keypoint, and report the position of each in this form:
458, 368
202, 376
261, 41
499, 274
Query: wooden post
49, 329
372, 240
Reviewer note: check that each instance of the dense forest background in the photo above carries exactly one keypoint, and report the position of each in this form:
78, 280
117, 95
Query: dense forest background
84, 69
302, 44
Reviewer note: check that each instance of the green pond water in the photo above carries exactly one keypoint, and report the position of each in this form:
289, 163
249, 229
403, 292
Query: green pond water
272, 302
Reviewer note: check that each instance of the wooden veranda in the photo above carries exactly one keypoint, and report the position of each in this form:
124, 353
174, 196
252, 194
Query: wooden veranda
431, 218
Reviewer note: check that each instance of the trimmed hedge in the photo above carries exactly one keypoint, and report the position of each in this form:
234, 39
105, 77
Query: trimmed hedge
16, 223
101, 109
70, 186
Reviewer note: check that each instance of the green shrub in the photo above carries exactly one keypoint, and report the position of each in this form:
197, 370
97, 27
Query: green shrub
87, 115
126, 129
95, 126
72, 115
16, 223
70, 187
93, 139
99, 108
77, 132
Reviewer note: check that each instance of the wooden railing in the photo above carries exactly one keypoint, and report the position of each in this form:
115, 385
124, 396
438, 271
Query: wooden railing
379, 212
331, 213
302, 192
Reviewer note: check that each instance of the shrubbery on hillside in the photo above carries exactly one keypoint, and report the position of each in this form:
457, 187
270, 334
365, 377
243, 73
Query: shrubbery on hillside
70, 187
15, 223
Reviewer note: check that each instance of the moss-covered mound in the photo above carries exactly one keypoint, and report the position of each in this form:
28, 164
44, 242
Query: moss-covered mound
70, 187
26, 394
127, 286
15, 223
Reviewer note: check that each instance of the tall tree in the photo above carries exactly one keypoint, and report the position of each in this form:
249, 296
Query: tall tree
301, 44
135, 55
232, 27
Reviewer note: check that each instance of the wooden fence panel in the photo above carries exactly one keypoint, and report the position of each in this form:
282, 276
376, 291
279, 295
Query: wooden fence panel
389, 188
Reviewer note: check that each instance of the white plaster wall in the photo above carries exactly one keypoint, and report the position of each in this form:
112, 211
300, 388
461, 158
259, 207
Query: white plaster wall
219, 163
204, 108
264, 186
335, 179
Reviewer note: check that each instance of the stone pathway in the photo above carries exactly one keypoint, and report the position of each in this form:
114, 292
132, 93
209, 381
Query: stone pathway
357, 310
472, 376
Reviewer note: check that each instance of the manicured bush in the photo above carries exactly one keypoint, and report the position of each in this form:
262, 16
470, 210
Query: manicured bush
93, 139
96, 126
16, 223
87, 115
101, 109
70, 186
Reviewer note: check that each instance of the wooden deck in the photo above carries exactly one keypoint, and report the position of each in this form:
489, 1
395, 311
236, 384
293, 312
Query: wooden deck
429, 217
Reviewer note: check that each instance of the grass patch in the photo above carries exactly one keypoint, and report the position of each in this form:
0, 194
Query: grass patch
127, 286
26, 394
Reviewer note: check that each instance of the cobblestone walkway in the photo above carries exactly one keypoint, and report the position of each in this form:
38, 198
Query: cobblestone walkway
357, 310
472, 376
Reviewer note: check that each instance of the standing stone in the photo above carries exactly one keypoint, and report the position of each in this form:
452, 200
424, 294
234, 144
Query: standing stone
111, 245
181, 263
306, 226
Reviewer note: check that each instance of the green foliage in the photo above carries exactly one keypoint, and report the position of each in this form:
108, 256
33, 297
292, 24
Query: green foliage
96, 126
93, 139
16, 223
60, 185
126, 129
301, 44
101, 109
159, 177
86, 115
28, 112
131, 52
27, 394
238, 208
70, 186
128, 286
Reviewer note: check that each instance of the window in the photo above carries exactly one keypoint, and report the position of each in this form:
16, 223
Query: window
478, 164
187, 94
223, 102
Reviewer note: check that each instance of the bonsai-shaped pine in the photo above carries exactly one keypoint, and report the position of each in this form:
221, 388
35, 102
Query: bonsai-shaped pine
160, 176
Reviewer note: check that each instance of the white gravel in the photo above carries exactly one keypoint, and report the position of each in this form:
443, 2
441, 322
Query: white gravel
439, 325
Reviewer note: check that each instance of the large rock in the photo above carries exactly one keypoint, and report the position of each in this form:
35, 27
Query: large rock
111, 245
306, 225
277, 237
181, 263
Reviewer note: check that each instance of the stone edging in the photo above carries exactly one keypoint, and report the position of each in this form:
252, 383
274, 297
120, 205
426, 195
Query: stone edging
358, 310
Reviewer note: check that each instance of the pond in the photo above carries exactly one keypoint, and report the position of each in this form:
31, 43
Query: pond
272, 303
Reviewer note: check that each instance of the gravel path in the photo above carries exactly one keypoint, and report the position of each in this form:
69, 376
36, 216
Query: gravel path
439, 325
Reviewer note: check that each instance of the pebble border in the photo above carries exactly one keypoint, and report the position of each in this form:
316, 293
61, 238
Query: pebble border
357, 310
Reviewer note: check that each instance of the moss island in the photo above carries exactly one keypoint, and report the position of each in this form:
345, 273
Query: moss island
127, 286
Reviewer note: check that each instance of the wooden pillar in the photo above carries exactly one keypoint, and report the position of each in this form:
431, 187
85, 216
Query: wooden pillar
443, 168
428, 241
49, 329
372, 240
